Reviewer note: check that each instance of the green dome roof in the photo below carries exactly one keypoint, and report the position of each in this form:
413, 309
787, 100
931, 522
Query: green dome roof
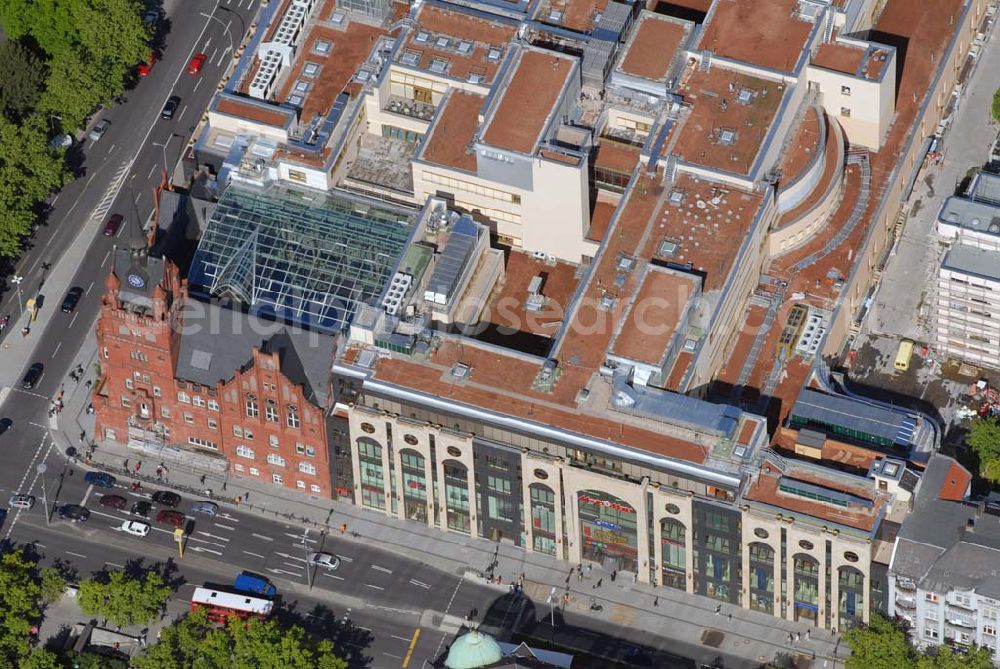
472, 651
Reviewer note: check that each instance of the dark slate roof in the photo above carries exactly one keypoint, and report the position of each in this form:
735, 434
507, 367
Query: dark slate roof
217, 341
814, 406
139, 274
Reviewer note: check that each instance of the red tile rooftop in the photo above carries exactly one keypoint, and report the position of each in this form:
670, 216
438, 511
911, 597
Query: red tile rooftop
956, 483
653, 47
654, 315
490, 387
859, 516
252, 112
678, 371
801, 150
760, 32
351, 48
697, 5
508, 307
527, 101
600, 219
450, 139
464, 25
746, 432
839, 57
708, 227
721, 132
617, 157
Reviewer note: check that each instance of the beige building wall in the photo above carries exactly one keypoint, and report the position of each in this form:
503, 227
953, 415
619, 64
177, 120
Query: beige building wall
556, 211
867, 266
858, 104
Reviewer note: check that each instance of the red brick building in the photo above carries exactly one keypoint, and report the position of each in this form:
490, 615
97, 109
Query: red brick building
188, 378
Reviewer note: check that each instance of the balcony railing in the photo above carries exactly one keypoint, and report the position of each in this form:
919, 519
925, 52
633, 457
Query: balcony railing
906, 602
410, 108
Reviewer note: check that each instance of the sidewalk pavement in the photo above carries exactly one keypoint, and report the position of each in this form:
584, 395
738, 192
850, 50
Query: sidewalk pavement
752, 636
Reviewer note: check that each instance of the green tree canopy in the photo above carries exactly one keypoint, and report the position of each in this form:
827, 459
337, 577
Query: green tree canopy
944, 657
124, 600
194, 642
984, 440
22, 80
996, 105
880, 645
52, 584
20, 596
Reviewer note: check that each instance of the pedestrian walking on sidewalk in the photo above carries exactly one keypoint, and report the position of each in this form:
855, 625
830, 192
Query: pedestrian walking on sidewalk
87, 384
730, 617
238, 500
125, 466
343, 527
83, 436
656, 601
614, 575
590, 568
718, 609
598, 584
246, 497
807, 635
138, 466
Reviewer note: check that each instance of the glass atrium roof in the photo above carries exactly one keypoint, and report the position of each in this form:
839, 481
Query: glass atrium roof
307, 261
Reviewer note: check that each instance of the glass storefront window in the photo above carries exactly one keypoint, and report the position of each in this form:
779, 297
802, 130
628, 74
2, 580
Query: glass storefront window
674, 566
608, 531
372, 483
414, 486
852, 602
456, 491
543, 519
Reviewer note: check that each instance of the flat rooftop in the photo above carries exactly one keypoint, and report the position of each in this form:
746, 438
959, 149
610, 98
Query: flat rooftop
961, 212
730, 117
767, 33
703, 226
984, 263
822, 409
819, 493
577, 15
319, 77
255, 111
654, 315
528, 100
449, 141
654, 46
508, 309
853, 59
457, 44
803, 147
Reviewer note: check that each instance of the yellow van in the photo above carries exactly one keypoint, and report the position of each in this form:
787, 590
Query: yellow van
903, 355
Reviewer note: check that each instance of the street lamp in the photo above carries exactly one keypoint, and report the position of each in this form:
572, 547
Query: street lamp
16, 280
41, 472
164, 146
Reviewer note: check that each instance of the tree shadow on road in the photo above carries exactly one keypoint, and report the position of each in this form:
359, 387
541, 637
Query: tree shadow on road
350, 642
167, 570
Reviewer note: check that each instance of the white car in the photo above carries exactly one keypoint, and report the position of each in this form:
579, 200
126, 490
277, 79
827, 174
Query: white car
324, 560
21, 501
135, 528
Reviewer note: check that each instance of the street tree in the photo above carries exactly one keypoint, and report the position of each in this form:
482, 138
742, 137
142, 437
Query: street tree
20, 597
996, 106
125, 600
22, 80
984, 440
194, 642
879, 645
945, 657
52, 584
40, 658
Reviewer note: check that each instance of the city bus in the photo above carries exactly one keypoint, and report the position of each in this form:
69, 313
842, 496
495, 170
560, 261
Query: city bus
903, 355
223, 605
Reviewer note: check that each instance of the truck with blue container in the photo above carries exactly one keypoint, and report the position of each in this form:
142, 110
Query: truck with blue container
256, 584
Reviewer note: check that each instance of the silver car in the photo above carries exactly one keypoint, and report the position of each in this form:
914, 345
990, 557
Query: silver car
207, 508
99, 129
324, 560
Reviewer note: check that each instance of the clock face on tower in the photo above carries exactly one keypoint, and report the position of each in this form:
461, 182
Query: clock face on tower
136, 281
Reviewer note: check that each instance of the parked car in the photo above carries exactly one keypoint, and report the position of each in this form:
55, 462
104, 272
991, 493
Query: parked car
99, 129
33, 376
151, 17
100, 479
111, 227
74, 513
114, 501
62, 141
167, 498
141, 509
145, 68
21, 501
72, 298
324, 560
194, 67
135, 528
207, 508
175, 518
248, 581
5, 424
173, 102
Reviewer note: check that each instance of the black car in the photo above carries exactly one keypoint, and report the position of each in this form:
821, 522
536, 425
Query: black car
5, 424
141, 509
167, 498
173, 102
74, 512
72, 298
33, 376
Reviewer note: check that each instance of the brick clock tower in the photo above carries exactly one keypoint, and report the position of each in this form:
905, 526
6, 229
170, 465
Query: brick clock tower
138, 335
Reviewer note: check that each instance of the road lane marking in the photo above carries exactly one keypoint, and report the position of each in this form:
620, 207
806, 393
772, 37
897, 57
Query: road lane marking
56, 198
56, 351
225, 527
151, 170
282, 571
89, 287
292, 565
345, 558
381, 569
419, 584
197, 85
112, 148
401, 638
409, 651
395, 657
339, 578
254, 554
212, 536
73, 320
115, 564
374, 587
222, 58
90, 489
203, 541
199, 549
76, 554
300, 537
261, 536
214, 51
106, 256
183, 109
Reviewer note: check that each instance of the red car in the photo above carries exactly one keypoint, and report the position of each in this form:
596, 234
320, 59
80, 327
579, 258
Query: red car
144, 68
111, 227
174, 518
194, 67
